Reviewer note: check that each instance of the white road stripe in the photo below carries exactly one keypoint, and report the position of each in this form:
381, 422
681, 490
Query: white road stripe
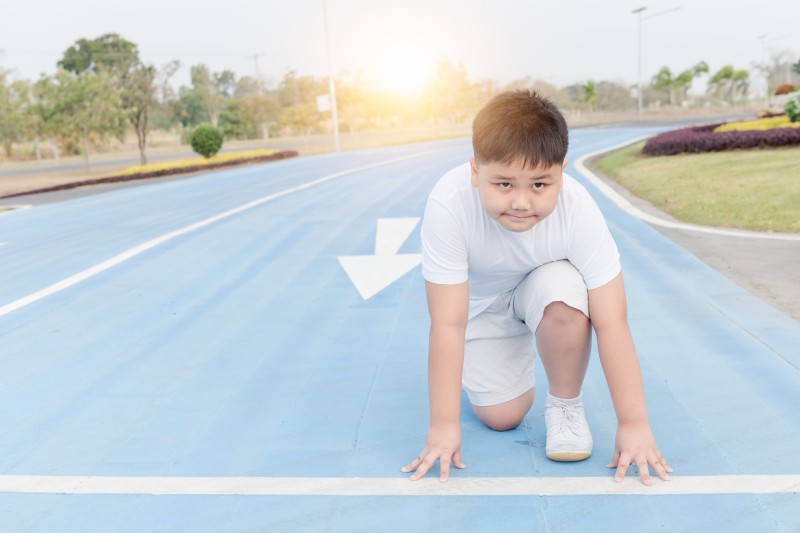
457, 486
133, 252
625, 205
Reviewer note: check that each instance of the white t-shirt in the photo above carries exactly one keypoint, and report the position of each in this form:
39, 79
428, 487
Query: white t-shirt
461, 242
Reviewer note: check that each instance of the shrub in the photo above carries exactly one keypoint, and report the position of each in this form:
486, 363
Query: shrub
792, 106
781, 121
703, 139
206, 140
784, 88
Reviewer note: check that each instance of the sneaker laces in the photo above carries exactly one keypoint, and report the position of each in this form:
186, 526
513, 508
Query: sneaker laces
567, 418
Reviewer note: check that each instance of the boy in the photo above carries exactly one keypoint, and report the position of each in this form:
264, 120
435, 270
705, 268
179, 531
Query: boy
513, 248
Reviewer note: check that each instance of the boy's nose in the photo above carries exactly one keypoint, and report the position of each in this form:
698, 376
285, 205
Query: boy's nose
521, 202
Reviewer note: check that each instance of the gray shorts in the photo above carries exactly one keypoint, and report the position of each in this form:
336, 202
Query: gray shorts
498, 352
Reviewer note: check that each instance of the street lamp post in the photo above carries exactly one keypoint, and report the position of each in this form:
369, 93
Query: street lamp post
331, 84
638, 13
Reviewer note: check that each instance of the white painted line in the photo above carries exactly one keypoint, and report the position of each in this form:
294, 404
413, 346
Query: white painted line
401, 486
625, 205
133, 252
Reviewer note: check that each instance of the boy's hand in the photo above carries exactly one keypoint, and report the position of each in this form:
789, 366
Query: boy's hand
635, 444
443, 443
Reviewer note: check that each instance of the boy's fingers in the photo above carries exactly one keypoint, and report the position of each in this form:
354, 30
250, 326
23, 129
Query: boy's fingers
444, 467
658, 468
457, 462
622, 468
413, 464
424, 466
644, 472
663, 461
614, 460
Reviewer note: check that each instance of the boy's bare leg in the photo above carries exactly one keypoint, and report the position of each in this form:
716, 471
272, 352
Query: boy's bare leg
506, 415
564, 340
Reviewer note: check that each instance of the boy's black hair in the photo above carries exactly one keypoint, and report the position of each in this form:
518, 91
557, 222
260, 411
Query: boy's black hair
520, 126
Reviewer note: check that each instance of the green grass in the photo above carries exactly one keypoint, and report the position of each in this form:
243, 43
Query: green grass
748, 189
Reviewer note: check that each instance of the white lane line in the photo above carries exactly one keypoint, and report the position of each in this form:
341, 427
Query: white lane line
133, 252
456, 486
625, 205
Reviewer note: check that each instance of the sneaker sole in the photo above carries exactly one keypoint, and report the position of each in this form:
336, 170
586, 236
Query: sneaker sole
568, 457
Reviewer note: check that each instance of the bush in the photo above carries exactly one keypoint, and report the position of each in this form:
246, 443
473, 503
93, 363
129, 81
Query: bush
703, 139
784, 88
792, 107
206, 140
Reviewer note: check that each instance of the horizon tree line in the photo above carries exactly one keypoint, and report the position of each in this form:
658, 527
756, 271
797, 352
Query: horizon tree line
102, 90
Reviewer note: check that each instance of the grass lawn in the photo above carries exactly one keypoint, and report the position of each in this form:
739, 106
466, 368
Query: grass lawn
749, 189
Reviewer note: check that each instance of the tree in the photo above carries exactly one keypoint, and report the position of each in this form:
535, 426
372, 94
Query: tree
614, 96
13, 102
81, 109
108, 52
138, 98
135, 81
450, 95
589, 94
260, 109
297, 96
684, 80
209, 91
677, 85
236, 123
729, 82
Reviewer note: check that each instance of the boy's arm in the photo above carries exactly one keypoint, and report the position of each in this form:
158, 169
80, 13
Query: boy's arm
635, 442
448, 306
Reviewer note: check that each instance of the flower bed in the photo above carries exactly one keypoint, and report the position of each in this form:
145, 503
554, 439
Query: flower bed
704, 139
182, 166
781, 121
173, 168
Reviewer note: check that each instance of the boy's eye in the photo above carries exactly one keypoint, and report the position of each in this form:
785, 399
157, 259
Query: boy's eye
504, 186
538, 186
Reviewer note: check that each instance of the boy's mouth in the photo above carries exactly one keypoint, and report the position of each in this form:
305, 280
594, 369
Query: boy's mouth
515, 218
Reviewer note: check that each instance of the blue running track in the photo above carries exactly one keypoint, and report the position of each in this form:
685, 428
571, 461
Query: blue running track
157, 374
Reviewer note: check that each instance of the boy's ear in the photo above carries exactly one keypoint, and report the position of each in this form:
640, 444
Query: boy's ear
473, 166
564, 165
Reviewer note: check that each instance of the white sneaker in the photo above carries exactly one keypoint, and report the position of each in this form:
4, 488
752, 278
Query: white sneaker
568, 435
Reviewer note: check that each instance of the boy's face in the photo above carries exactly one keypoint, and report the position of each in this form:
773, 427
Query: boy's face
515, 196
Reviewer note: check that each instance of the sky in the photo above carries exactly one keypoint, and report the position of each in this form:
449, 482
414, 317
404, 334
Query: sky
397, 44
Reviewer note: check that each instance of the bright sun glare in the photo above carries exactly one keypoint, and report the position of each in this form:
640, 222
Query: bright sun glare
404, 68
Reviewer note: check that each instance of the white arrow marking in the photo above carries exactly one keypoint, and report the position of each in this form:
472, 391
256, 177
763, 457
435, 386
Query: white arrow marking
372, 273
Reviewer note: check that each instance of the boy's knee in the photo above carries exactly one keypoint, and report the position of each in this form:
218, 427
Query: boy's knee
559, 314
505, 416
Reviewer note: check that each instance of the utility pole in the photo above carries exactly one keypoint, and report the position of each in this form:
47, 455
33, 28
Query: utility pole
331, 84
260, 91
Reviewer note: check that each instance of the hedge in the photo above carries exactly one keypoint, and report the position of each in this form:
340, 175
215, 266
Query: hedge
703, 139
